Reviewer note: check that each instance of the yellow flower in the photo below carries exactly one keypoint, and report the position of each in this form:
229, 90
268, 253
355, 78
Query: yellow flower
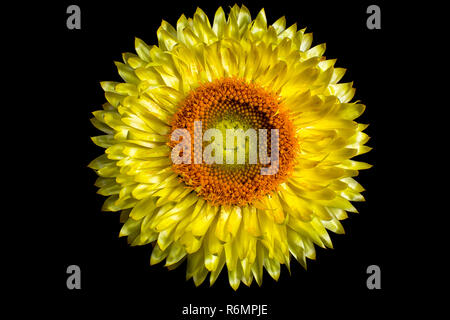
236, 73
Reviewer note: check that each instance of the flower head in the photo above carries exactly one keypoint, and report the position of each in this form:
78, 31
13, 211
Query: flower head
294, 180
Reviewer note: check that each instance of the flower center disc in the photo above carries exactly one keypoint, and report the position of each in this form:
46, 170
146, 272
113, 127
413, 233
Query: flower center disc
231, 103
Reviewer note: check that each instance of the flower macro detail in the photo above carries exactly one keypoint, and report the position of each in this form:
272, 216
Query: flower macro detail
230, 103
266, 198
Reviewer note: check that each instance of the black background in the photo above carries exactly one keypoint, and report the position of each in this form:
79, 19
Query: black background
116, 276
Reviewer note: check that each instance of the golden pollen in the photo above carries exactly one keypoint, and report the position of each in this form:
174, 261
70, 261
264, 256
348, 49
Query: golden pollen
231, 103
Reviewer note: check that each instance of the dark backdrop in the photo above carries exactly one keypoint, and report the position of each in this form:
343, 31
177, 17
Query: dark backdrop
77, 232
